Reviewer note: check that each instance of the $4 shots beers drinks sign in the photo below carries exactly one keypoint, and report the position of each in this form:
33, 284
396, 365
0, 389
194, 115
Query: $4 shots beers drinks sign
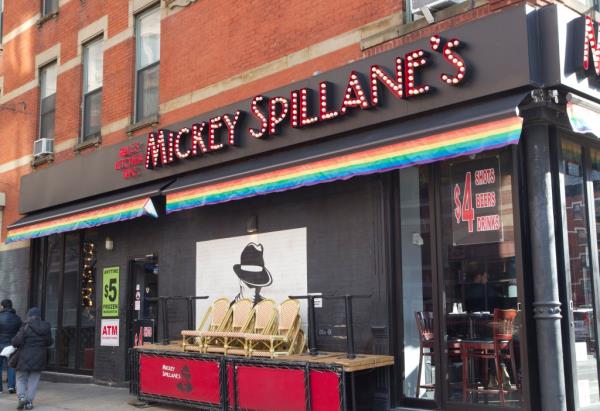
476, 201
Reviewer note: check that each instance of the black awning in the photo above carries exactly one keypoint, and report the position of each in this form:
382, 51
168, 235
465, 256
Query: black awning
462, 130
123, 205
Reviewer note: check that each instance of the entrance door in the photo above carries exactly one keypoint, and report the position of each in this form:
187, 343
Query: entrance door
481, 293
577, 167
143, 310
461, 329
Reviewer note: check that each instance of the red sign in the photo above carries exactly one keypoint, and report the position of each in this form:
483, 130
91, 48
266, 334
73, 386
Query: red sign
182, 378
130, 160
476, 202
306, 107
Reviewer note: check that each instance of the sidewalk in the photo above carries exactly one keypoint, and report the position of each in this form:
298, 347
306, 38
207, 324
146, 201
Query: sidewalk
54, 396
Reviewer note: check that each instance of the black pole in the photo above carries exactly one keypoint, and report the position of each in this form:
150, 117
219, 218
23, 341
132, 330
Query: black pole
349, 327
312, 335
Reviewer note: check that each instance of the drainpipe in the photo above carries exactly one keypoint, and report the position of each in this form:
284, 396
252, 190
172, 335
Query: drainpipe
546, 304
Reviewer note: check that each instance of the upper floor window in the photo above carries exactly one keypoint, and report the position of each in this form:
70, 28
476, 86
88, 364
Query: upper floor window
418, 9
47, 100
49, 7
147, 59
92, 89
1, 19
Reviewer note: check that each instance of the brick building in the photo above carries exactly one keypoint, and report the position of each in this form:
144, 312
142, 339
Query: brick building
146, 144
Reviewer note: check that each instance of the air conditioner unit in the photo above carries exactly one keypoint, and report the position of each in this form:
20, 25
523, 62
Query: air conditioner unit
425, 8
43, 146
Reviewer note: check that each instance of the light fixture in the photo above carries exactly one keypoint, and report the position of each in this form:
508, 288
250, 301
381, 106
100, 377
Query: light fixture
252, 225
109, 244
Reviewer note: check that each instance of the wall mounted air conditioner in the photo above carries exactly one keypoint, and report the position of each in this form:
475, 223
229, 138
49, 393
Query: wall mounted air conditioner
43, 146
426, 8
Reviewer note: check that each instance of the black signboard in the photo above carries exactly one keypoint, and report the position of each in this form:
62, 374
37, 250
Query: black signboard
476, 201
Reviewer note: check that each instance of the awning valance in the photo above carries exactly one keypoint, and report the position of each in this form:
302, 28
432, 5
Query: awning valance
501, 129
584, 115
86, 214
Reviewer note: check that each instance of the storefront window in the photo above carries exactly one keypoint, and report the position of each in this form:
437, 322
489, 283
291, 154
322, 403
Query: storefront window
480, 281
417, 290
68, 295
582, 296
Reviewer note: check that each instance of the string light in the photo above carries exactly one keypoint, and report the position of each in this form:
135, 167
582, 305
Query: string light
87, 274
590, 41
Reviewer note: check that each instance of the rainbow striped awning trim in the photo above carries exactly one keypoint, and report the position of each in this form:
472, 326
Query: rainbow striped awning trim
436, 147
86, 219
584, 116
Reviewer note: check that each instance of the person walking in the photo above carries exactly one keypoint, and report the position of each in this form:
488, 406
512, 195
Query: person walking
32, 340
10, 323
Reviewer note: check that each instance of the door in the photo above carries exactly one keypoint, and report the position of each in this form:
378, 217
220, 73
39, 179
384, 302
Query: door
579, 183
142, 306
460, 278
481, 293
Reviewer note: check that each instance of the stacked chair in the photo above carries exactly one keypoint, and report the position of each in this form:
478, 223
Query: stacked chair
240, 329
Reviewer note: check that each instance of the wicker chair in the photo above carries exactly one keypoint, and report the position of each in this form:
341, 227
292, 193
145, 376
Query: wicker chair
288, 338
239, 320
218, 313
264, 322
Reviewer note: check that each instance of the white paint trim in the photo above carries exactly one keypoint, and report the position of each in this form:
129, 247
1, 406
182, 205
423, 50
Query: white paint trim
13, 164
118, 38
22, 28
65, 145
91, 31
137, 6
19, 90
47, 56
17, 245
68, 65
115, 126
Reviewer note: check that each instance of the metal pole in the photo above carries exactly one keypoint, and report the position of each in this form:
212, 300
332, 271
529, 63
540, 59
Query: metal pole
546, 305
349, 329
312, 335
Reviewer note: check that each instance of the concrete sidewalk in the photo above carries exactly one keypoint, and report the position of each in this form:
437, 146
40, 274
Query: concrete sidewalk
55, 396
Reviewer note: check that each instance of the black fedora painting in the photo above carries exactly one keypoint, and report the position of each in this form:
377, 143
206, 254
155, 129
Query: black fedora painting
252, 273
268, 265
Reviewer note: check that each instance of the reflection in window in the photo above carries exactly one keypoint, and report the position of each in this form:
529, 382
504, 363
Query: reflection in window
581, 276
417, 290
478, 251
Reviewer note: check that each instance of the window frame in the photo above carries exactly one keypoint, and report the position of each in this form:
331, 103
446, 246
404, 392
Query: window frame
45, 12
90, 93
137, 116
41, 114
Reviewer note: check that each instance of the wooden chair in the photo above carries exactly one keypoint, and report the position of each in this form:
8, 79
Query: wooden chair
288, 338
424, 320
241, 315
218, 312
500, 347
264, 322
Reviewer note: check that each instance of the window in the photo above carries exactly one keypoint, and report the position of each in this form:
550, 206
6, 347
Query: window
426, 8
92, 89
49, 7
147, 42
47, 100
1, 18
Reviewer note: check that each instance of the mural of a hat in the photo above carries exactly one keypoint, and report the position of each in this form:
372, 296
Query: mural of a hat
252, 270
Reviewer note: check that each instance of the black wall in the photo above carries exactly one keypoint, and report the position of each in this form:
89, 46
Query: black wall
345, 250
14, 276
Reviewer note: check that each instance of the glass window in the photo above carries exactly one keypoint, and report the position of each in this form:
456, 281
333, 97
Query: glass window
68, 293
582, 295
1, 19
147, 34
47, 100
480, 282
92, 88
49, 7
417, 288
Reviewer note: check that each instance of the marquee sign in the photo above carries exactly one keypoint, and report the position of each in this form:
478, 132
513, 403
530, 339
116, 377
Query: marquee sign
306, 107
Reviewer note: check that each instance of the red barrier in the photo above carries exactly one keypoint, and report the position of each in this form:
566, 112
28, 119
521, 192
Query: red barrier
324, 390
270, 389
180, 378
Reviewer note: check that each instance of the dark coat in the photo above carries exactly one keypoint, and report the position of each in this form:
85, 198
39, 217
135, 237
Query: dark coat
33, 340
10, 323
